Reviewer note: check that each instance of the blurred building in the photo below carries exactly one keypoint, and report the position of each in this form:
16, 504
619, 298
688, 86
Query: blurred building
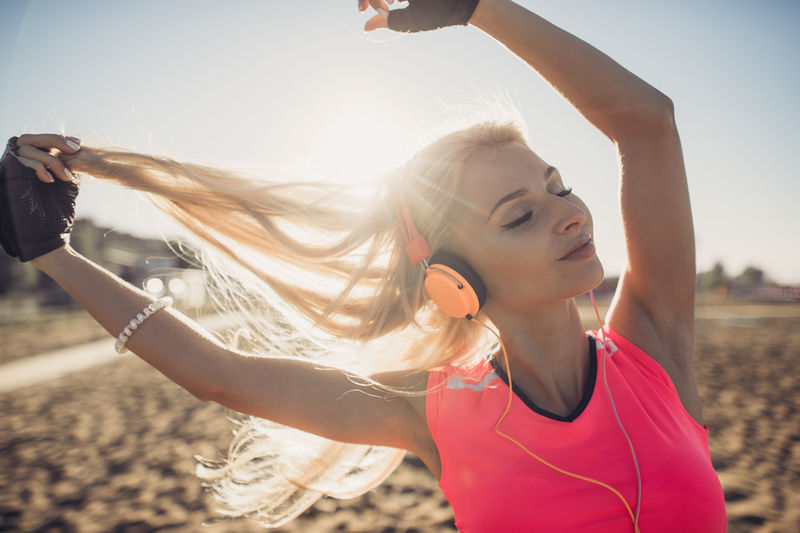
775, 293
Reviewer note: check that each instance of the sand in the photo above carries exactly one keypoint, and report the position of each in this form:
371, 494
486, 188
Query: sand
111, 448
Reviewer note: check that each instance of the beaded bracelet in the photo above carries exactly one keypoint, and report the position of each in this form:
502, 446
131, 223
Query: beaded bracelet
133, 325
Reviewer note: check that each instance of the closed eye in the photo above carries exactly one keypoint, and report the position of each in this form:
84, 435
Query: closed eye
521, 220
527, 216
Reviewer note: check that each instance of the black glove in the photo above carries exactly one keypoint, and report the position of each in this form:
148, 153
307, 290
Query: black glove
424, 15
35, 217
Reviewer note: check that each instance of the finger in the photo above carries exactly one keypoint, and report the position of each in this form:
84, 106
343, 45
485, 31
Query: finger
378, 21
380, 6
38, 167
51, 162
48, 141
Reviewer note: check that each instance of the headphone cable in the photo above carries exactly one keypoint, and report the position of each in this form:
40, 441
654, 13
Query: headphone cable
634, 519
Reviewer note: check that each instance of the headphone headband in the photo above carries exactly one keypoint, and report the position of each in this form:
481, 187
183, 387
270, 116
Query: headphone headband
449, 280
417, 247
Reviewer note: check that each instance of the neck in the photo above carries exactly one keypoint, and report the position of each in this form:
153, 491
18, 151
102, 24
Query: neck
547, 352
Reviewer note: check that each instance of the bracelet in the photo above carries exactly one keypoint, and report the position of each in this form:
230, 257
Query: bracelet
133, 325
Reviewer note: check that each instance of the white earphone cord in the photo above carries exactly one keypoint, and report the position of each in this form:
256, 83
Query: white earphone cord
634, 517
616, 414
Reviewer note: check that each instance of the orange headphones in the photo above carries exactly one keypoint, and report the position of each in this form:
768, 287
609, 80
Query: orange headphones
450, 281
458, 290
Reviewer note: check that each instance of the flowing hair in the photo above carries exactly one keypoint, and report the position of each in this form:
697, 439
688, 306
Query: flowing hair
318, 272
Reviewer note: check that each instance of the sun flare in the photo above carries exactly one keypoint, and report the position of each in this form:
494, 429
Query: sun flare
361, 140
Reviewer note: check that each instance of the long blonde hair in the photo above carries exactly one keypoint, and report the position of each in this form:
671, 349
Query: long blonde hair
315, 271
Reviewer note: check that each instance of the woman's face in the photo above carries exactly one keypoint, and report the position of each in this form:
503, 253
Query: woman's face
528, 240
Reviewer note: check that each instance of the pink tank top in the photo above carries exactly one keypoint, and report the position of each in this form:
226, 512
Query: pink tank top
493, 485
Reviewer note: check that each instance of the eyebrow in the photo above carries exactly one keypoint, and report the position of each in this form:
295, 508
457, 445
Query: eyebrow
519, 192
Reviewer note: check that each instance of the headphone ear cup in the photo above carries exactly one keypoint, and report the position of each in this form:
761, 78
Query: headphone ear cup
454, 286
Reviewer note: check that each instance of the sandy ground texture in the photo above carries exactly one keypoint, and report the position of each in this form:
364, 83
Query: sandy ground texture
33, 333
111, 448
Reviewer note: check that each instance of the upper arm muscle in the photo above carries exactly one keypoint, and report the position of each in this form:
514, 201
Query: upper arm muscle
655, 300
322, 400
654, 303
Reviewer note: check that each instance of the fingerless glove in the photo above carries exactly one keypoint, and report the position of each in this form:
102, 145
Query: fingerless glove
424, 15
35, 217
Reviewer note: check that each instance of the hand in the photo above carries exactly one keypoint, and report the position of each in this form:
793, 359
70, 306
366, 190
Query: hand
420, 15
37, 195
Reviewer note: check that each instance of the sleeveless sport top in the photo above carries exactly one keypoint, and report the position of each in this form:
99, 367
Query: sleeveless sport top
493, 485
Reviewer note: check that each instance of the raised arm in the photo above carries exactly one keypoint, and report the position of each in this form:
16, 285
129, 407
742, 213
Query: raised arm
613, 99
654, 306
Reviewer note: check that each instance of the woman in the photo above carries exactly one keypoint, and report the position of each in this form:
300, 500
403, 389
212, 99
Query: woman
605, 429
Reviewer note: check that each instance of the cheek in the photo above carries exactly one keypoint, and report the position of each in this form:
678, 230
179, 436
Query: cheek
507, 262
512, 268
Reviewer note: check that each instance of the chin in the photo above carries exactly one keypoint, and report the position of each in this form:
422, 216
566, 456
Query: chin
600, 274
593, 278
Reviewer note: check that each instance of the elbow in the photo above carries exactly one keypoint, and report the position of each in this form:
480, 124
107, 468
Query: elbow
661, 103
206, 394
211, 383
659, 114
664, 113
219, 383
213, 379
648, 121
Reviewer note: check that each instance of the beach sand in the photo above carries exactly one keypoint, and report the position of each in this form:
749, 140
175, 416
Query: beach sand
112, 447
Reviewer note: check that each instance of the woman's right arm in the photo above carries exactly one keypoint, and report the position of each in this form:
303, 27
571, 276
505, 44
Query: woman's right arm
324, 401
167, 340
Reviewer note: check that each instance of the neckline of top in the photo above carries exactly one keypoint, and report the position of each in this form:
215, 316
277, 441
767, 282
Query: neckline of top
587, 393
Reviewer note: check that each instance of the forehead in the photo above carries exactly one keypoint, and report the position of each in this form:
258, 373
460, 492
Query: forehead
497, 171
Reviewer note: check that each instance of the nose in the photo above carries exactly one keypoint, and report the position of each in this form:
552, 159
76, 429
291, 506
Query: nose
571, 217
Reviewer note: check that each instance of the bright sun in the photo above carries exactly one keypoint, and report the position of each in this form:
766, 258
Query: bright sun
359, 141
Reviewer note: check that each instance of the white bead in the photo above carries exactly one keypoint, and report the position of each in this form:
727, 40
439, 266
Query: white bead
133, 325
119, 346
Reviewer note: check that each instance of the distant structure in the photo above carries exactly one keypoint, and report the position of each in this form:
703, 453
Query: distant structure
769, 294
751, 285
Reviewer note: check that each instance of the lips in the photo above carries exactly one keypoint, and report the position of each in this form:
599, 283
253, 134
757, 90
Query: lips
582, 247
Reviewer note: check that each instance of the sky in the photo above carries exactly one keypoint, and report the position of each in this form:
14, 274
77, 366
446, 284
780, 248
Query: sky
249, 84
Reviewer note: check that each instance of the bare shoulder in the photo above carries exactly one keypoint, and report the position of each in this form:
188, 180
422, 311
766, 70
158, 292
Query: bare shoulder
409, 386
411, 391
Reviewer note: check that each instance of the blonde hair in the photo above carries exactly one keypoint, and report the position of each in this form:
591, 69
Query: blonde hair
315, 271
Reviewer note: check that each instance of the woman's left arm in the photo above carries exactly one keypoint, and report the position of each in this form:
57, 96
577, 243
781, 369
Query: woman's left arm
654, 305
